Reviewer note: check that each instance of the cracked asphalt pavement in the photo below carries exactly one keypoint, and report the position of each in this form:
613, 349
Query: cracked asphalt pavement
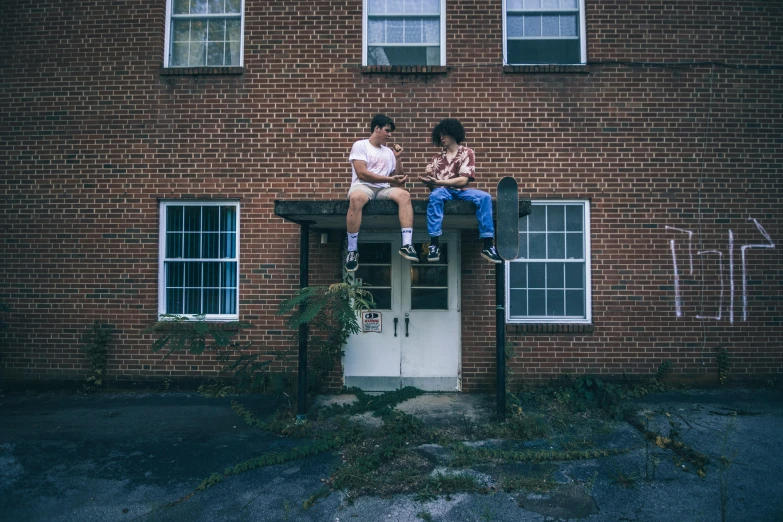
131, 456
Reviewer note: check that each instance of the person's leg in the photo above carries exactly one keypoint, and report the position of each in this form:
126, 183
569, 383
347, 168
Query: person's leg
438, 197
358, 197
483, 202
403, 199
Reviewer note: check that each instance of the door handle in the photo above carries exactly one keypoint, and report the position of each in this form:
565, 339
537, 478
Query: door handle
395, 326
406, 326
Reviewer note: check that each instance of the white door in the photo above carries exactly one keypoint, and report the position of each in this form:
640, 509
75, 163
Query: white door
417, 304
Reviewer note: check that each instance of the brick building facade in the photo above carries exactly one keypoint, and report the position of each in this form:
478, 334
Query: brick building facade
665, 137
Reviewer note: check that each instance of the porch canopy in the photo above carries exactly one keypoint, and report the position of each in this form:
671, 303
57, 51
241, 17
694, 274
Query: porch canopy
380, 215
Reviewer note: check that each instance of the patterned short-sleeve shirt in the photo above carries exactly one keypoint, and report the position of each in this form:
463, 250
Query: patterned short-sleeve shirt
463, 164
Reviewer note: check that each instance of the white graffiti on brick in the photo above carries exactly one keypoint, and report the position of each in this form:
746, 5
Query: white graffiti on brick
743, 249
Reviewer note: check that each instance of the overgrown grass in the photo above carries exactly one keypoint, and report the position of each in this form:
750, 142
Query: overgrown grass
554, 424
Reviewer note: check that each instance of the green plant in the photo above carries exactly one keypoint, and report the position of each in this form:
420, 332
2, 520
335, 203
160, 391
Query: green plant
538, 481
588, 393
663, 369
446, 485
96, 348
722, 357
381, 404
330, 314
392, 459
487, 515
624, 480
178, 333
513, 404
4, 309
682, 452
590, 483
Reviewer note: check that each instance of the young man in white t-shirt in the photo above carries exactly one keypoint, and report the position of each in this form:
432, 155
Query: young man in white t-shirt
377, 174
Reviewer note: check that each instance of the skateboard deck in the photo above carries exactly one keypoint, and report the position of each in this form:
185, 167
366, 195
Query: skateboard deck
507, 235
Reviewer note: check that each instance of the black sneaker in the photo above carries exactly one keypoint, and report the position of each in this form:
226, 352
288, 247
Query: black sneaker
490, 254
433, 256
408, 252
352, 261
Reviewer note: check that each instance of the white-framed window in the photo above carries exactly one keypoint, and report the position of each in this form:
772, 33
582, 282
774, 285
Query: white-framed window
544, 32
198, 270
204, 33
404, 32
550, 280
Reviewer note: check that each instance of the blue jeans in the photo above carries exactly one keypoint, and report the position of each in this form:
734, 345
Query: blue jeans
481, 199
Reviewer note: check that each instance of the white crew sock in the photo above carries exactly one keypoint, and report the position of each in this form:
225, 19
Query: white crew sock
407, 236
353, 241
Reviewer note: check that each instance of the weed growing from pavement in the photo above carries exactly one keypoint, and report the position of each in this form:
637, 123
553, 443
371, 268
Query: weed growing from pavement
623, 479
683, 454
722, 357
424, 515
402, 455
390, 458
538, 480
96, 348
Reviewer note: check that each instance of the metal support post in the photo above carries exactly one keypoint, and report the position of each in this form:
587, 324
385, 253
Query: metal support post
500, 338
304, 255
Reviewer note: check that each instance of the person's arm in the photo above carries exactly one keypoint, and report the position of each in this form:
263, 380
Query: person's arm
461, 181
467, 168
395, 180
432, 181
398, 170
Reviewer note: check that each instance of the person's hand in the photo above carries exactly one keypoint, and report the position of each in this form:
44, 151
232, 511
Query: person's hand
396, 149
397, 180
430, 181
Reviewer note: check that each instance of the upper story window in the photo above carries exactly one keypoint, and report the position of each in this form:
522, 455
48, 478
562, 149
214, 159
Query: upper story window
204, 33
404, 32
550, 280
199, 259
544, 32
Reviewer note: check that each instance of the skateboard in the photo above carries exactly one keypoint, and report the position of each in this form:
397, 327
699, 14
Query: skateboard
507, 239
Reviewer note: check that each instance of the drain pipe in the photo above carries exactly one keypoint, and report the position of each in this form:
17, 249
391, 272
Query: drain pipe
500, 338
304, 257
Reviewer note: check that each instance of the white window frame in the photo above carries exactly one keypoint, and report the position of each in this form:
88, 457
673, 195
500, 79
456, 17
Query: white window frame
582, 36
365, 9
539, 319
162, 305
170, 24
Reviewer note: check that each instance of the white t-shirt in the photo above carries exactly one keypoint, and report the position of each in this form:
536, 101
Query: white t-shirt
380, 160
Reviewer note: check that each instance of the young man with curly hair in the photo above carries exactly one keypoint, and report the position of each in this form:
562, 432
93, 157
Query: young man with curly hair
448, 176
377, 174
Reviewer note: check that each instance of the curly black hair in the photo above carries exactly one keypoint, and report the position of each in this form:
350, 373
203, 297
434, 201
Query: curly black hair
448, 127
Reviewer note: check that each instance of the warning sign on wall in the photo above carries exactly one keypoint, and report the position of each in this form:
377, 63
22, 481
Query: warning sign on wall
371, 322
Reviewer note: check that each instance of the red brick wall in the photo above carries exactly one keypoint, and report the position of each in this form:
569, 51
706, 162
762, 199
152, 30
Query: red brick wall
92, 135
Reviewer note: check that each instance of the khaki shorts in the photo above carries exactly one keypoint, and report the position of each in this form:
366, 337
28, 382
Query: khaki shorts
371, 192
